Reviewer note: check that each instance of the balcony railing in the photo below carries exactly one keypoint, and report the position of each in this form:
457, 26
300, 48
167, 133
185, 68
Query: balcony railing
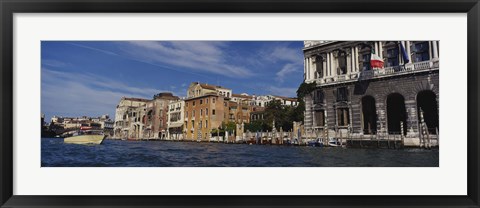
378, 73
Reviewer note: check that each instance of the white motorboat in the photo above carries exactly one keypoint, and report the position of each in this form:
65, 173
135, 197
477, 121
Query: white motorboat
86, 136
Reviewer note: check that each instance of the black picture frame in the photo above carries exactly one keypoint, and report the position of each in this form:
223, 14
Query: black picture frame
10, 7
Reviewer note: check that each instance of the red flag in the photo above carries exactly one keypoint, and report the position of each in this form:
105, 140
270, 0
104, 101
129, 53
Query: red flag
375, 60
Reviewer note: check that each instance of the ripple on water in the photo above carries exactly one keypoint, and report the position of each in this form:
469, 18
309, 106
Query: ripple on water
115, 153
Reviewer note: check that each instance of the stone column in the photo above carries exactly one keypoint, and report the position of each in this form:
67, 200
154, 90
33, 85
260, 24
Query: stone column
328, 65
381, 115
412, 118
380, 49
349, 64
353, 59
305, 68
333, 69
435, 50
307, 64
324, 67
313, 68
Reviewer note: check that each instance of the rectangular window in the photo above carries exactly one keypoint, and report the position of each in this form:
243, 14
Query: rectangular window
392, 57
201, 112
342, 94
186, 114
193, 103
206, 111
320, 117
319, 96
343, 117
420, 51
213, 100
213, 112
186, 104
366, 62
201, 101
206, 124
193, 114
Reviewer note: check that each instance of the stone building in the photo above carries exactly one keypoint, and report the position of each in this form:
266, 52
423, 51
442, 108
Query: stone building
353, 97
202, 114
127, 117
156, 117
138, 118
176, 118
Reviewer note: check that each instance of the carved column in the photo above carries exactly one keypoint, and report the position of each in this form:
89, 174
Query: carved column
435, 49
407, 47
328, 65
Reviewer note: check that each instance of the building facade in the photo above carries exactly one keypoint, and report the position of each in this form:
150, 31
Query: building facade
202, 114
137, 118
176, 119
353, 97
127, 117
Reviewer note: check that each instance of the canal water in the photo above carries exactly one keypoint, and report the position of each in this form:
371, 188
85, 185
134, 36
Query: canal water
115, 153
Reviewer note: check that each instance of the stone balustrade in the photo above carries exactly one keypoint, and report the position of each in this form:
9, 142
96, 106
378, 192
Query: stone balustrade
379, 73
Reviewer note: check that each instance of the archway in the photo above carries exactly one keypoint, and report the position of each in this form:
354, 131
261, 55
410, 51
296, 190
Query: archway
396, 113
369, 113
427, 102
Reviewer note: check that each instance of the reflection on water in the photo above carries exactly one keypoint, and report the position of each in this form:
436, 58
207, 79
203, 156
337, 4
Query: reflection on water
114, 153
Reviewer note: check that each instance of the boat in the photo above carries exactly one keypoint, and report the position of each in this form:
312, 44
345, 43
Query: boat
333, 142
315, 143
86, 135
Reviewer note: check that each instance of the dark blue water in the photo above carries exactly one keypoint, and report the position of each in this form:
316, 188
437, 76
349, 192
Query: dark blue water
115, 153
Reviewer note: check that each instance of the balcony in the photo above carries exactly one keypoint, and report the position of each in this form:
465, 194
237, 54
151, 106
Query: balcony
380, 73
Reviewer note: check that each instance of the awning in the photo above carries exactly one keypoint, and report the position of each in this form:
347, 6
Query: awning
175, 125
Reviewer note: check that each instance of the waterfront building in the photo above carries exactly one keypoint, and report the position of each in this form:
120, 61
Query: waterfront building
156, 117
176, 118
356, 95
138, 118
127, 117
202, 114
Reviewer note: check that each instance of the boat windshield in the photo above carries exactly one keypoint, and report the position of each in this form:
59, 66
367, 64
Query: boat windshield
90, 132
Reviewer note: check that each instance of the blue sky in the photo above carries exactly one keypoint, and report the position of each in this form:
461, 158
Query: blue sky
89, 77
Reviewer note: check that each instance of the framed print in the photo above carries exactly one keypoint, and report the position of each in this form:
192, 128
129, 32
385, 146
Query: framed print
246, 104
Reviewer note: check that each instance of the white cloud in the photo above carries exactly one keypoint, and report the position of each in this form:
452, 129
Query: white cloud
286, 70
196, 56
281, 52
287, 54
